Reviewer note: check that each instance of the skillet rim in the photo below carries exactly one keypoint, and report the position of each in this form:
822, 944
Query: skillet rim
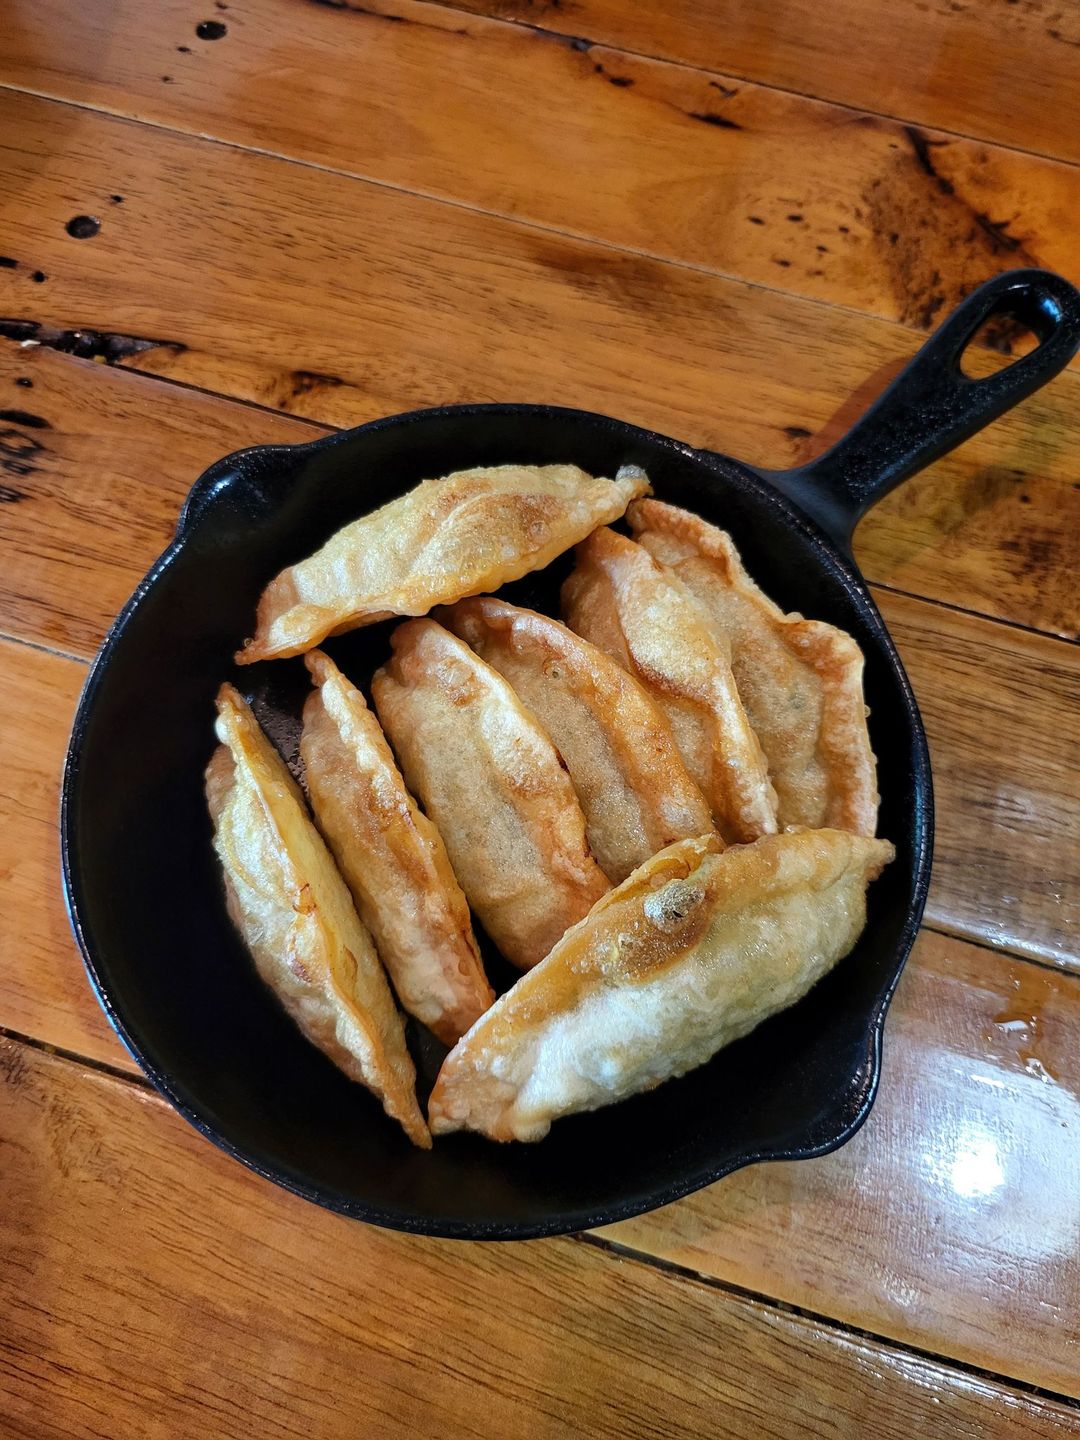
197, 507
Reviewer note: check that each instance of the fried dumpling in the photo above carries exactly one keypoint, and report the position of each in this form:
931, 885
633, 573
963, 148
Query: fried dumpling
392, 858
492, 781
691, 952
297, 918
800, 680
624, 602
466, 533
618, 747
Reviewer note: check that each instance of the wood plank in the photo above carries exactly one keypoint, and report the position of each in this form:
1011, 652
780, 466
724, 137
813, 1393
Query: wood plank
80, 1146
99, 465
1002, 873
738, 179
368, 301
516, 1339
999, 72
95, 466
977, 1045
43, 989
950, 1222
1002, 714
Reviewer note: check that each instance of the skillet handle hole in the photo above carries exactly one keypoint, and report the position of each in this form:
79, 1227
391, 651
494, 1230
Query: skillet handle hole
1011, 330
1006, 337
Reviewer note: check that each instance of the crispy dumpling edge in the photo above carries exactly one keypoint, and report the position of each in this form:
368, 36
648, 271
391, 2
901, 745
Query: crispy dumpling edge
477, 1060
618, 691
828, 650
748, 809
397, 1093
280, 597
584, 875
474, 993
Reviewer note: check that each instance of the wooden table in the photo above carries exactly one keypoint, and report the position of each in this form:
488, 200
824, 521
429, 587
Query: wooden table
715, 219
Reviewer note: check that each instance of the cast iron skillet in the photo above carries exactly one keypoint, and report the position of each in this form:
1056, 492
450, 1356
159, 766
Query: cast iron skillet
145, 897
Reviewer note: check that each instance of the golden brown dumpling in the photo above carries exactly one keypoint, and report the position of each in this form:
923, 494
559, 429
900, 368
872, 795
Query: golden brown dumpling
392, 857
692, 951
623, 601
493, 783
296, 916
618, 747
468, 532
800, 680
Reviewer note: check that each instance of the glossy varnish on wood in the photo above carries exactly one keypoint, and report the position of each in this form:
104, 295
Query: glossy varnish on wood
377, 1333
344, 301
963, 1064
1003, 70
971, 1142
980, 1083
149, 1284
732, 177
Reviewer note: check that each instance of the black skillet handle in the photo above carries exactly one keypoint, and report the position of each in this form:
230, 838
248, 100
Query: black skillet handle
932, 406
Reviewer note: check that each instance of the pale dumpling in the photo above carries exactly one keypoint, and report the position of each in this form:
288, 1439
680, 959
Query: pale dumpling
800, 680
691, 952
461, 535
296, 916
621, 600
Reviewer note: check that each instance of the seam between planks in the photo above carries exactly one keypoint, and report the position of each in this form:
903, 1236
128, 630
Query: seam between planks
817, 1317
321, 426
469, 207
131, 367
622, 1251
44, 649
73, 1057
1071, 642
938, 927
565, 36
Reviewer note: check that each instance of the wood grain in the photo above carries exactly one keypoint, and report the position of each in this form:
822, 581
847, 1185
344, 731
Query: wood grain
43, 990
1002, 714
601, 248
111, 423
735, 178
342, 301
950, 1221
973, 1128
1000, 704
94, 468
278, 1318
999, 71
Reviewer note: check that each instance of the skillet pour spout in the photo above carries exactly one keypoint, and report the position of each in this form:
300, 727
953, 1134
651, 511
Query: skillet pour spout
141, 880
